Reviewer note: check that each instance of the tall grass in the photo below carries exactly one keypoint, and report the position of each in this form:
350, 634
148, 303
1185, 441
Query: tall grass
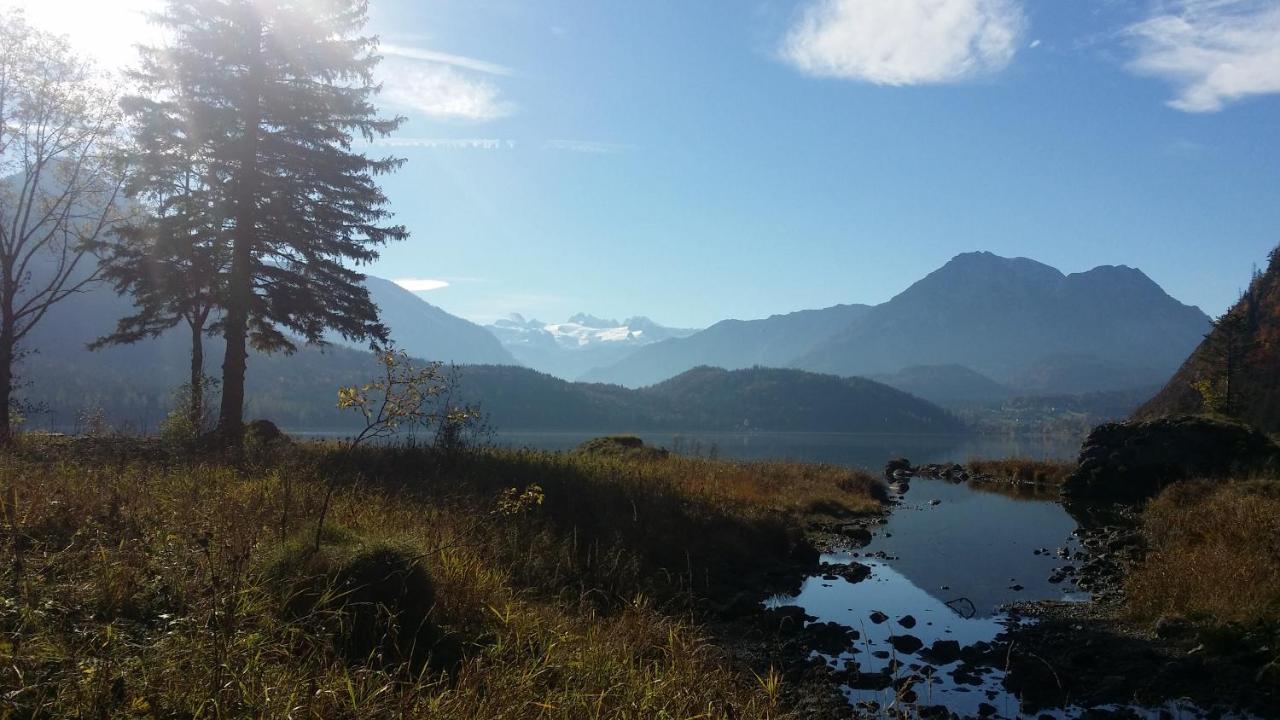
137, 586
1214, 550
1027, 471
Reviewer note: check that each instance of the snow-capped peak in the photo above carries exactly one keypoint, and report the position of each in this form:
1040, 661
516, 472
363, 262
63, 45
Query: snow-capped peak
582, 331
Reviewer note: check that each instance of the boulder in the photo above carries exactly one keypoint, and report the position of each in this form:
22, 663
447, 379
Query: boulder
905, 644
895, 465
1131, 462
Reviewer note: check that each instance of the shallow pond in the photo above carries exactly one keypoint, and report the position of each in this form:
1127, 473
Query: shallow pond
947, 559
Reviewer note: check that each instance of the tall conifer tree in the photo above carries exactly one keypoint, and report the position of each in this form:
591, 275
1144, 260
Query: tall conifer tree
272, 94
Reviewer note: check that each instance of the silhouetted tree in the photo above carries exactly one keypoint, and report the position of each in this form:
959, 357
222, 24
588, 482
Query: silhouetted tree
172, 258
1227, 348
276, 91
173, 266
58, 183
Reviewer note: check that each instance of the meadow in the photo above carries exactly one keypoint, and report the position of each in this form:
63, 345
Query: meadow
310, 580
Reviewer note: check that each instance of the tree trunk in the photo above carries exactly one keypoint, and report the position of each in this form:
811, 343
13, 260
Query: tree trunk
196, 407
6, 384
240, 282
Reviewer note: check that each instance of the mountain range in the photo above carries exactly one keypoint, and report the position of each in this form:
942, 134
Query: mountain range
569, 349
979, 329
132, 385
730, 344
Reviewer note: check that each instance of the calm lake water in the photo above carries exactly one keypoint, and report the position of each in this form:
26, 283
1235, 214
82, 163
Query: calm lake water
948, 558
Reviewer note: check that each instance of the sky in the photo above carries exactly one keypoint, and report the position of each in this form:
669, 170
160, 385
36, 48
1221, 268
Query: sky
695, 161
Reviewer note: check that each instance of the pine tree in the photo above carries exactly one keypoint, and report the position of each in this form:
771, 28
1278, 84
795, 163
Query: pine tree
172, 258
274, 92
172, 264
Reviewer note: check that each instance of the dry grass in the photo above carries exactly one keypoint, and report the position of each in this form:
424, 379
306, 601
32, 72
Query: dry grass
137, 588
1214, 551
1023, 470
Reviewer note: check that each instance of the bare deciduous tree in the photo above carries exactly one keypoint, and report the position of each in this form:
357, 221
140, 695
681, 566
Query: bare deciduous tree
59, 182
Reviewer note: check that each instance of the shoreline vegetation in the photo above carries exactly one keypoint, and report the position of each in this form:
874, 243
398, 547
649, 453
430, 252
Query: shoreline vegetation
373, 582
615, 580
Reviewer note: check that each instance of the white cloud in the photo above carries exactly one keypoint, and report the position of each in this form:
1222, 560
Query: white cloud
421, 284
1213, 51
439, 90
904, 42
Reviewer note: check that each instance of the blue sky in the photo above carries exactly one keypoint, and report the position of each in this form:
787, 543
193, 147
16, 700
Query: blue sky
692, 161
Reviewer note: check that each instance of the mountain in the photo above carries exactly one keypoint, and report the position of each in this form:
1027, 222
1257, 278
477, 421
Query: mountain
424, 330
298, 392
569, 349
789, 400
1020, 322
137, 380
1238, 362
733, 344
949, 385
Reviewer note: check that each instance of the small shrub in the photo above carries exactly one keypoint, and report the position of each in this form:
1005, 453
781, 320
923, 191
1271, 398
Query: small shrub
629, 446
374, 598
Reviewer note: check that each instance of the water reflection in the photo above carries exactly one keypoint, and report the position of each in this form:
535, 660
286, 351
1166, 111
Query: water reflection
941, 567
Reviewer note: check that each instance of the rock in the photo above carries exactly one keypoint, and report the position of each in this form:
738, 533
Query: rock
905, 644
895, 465
877, 617
941, 652
935, 501
871, 681
1133, 461
907, 621
829, 638
857, 533
854, 572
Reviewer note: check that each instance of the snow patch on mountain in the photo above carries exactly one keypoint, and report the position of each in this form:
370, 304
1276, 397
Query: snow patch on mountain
582, 331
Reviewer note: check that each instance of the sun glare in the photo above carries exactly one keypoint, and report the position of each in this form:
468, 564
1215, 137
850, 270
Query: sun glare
105, 30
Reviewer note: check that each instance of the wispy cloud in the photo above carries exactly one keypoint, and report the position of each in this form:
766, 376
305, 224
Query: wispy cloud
1213, 51
904, 42
443, 86
445, 143
460, 61
586, 146
421, 284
